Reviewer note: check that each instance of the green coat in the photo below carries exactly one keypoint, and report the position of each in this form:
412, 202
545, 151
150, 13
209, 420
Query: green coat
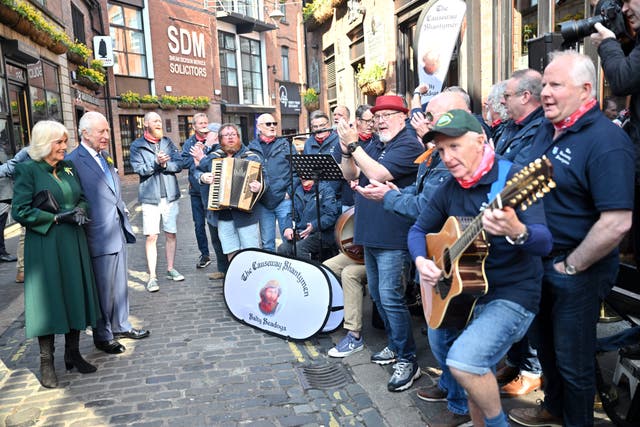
59, 288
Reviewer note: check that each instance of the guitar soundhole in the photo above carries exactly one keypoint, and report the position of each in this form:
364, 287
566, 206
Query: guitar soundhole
444, 284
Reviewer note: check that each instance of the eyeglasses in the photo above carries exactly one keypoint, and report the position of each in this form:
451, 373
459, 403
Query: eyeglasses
322, 126
507, 95
228, 135
270, 124
369, 122
385, 116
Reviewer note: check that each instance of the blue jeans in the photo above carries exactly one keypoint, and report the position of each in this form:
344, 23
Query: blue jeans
440, 341
524, 357
198, 215
268, 222
565, 335
386, 271
494, 327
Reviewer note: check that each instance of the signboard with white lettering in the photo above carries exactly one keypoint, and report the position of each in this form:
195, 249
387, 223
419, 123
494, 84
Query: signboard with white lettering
290, 298
289, 94
103, 50
188, 55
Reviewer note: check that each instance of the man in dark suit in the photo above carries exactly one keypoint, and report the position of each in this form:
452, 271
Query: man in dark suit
108, 232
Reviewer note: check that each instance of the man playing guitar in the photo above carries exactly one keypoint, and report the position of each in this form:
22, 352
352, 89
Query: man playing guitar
513, 267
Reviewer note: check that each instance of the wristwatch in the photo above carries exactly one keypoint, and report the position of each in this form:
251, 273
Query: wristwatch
568, 268
351, 147
520, 238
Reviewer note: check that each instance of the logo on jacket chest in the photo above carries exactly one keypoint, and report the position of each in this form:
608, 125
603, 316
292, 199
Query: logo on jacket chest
563, 155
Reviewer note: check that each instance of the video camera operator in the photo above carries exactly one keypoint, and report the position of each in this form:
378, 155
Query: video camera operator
622, 71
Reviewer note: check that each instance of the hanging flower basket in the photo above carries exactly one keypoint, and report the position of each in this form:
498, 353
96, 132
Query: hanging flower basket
186, 107
312, 106
40, 37
122, 104
75, 58
376, 88
57, 47
23, 26
149, 105
88, 83
8, 16
167, 107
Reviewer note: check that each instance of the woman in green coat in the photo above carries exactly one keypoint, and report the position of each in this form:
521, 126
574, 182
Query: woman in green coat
59, 290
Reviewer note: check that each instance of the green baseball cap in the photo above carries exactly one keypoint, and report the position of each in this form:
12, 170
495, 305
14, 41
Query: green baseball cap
454, 123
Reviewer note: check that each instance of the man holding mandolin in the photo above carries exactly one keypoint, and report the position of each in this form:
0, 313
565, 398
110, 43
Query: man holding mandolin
458, 260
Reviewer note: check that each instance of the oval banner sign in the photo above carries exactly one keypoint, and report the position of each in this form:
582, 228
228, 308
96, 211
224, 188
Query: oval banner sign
290, 298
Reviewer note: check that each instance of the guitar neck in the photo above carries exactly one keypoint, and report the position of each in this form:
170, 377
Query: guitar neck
467, 237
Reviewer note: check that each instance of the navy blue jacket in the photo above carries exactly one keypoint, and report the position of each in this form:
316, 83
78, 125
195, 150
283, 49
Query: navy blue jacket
331, 145
305, 206
188, 163
515, 143
142, 156
275, 168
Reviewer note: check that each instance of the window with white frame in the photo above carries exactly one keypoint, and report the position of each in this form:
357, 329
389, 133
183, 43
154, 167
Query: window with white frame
125, 28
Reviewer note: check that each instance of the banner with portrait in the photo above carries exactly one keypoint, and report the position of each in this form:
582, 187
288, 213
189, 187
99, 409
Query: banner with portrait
287, 297
437, 33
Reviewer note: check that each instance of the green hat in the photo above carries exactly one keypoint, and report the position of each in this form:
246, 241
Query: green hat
454, 123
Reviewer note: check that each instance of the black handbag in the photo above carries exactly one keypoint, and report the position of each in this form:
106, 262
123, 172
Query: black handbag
45, 201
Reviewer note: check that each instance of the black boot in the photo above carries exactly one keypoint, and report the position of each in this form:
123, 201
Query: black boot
72, 355
48, 377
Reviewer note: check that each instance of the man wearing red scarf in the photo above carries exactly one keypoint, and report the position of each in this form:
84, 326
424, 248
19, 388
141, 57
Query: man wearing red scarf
513, 268
588, 213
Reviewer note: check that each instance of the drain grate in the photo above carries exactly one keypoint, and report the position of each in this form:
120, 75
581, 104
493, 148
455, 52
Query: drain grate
323, 376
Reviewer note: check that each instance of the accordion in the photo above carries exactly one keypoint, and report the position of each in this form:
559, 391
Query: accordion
230, 186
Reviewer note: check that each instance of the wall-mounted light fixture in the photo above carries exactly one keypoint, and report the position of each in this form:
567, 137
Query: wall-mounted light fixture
276, 14
273, 67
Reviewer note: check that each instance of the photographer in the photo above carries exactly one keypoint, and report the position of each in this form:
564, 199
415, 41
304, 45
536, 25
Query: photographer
623, 74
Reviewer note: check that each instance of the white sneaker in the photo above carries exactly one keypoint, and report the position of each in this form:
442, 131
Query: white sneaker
152, 285
174, 275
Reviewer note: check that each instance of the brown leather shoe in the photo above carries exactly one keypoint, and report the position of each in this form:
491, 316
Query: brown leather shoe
216, 276
447, 418
506, 374
520, 386
534, 417
20, 277
433, 393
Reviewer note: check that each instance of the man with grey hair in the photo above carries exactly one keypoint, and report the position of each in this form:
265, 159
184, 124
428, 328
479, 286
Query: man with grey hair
108, 232
157, 160
496, 114
522, 101
588, 213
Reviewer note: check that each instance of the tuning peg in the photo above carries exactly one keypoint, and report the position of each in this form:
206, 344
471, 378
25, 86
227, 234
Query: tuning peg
551, 184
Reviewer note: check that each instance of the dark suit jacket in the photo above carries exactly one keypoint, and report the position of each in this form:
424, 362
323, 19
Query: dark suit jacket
106, 207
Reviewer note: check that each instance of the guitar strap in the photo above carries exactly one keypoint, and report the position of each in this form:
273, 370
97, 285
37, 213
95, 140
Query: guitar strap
504, 166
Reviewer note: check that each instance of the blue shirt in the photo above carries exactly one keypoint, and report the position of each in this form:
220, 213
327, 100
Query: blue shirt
374, 226
593, 167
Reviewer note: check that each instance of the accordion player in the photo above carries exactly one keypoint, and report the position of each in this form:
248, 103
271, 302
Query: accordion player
230, 186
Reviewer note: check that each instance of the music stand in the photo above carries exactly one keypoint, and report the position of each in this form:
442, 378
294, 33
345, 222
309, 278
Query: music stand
318, 167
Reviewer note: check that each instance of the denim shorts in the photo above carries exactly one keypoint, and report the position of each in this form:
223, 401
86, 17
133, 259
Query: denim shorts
151, 215
494, 327
234, 238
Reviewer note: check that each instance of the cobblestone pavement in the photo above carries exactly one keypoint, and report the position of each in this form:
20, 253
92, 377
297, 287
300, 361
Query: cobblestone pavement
199, 367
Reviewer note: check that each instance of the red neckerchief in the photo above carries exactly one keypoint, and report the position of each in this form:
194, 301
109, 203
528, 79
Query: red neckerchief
496, 123
200, 138
267, 140
364, 137
573, 118
307, 187
485, 166
320, 139
151, 138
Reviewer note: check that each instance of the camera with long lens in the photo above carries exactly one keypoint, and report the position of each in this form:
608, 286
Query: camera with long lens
607, 12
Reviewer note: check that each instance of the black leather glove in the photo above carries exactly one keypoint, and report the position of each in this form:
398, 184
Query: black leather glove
76, 216
80, 216
65, 218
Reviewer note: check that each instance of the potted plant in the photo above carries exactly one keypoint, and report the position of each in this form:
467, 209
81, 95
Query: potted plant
8, 14
201, 102
28, 15
186, 102
168, 102
90, 78
149, 102
371, 78
310, 99
129, 99
78, 52
59, 42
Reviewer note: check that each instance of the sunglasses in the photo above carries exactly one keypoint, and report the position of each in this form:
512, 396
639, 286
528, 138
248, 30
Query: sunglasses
270, 124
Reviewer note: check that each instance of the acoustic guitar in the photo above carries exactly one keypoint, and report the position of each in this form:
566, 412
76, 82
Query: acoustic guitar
461, 247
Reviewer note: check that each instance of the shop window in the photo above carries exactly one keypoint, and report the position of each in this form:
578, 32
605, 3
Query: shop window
251, 64
131, 128
125, 27
44, 91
